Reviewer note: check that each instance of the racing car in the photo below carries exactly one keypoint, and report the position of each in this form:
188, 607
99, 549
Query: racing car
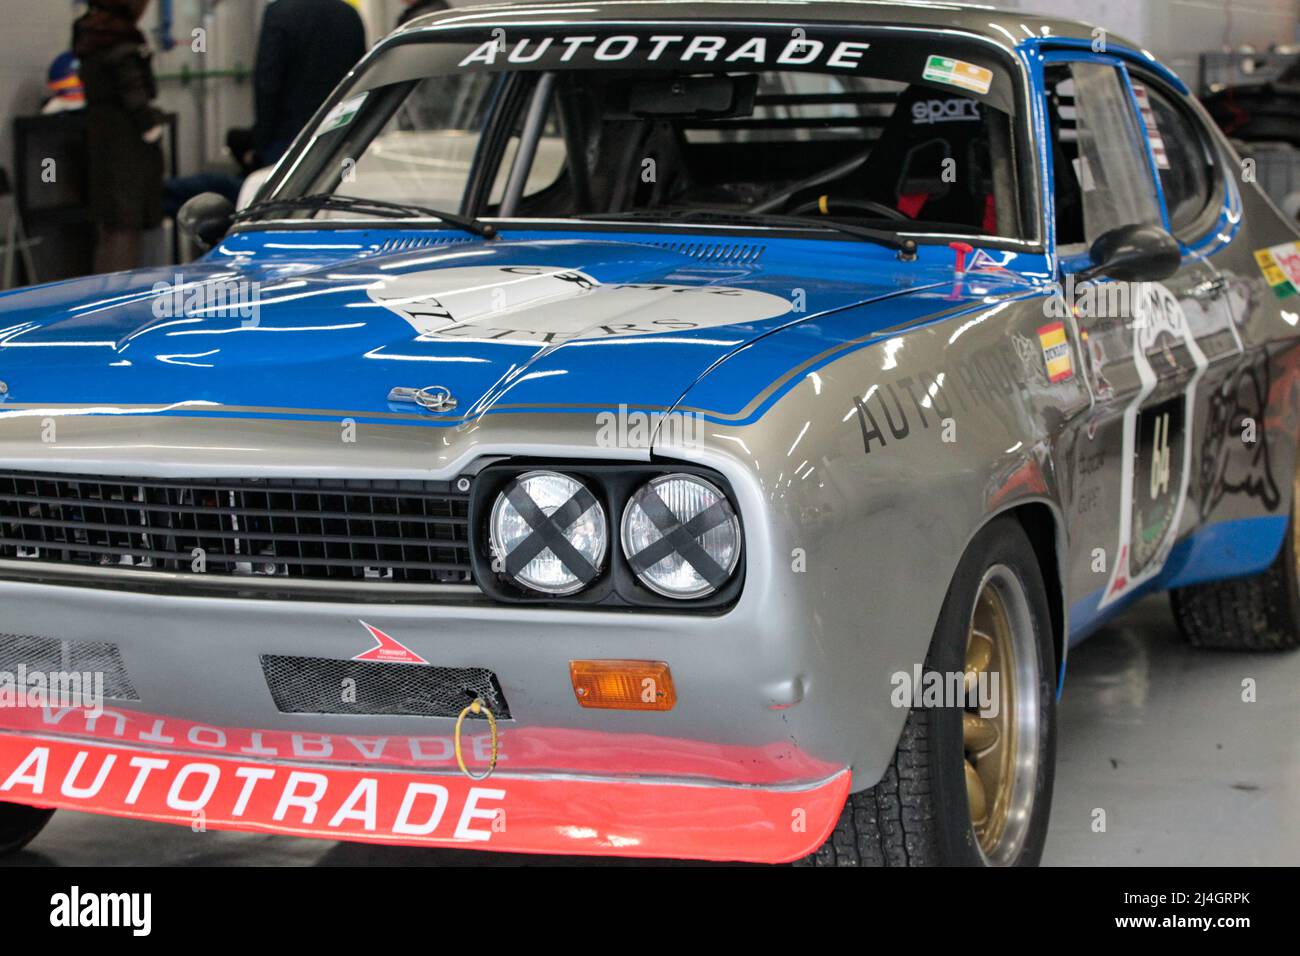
658, 430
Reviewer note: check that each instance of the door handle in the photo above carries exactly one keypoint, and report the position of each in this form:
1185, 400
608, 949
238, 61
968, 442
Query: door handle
1210, 288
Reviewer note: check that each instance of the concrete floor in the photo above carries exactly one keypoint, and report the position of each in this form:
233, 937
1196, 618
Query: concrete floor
1153, 733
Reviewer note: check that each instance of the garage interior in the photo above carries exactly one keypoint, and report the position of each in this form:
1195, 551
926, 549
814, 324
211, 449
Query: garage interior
1162, 759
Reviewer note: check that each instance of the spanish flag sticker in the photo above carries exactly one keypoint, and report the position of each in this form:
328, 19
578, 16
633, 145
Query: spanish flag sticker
1056, 352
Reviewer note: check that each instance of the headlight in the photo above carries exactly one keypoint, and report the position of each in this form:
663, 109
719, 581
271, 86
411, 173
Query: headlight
681, 536
548, 533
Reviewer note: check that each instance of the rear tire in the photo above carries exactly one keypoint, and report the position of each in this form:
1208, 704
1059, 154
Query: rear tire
1258, 613
19, 825
919, 814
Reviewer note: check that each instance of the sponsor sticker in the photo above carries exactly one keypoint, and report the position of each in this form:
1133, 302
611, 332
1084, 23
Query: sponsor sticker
968, 76
1154, 139
984, 261
388, 649
342, 114
956, 109
1056, 352
1281, 267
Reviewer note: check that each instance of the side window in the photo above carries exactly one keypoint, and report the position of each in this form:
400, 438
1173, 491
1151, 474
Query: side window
1103, 180
1183, 159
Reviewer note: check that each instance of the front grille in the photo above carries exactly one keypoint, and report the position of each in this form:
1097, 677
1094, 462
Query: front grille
317, 685
49, 656
395, 531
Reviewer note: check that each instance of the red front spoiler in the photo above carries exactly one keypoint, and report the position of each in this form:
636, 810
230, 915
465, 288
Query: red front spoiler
519, 813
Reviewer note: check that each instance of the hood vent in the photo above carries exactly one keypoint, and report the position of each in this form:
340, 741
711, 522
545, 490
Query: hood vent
390, 246
723, 253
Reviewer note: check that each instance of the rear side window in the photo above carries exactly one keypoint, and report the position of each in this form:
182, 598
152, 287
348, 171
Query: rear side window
1182, 156
1103, 179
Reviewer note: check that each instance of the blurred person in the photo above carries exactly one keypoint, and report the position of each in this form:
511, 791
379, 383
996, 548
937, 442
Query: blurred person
63, 85
123, 129
418, 8
305, 48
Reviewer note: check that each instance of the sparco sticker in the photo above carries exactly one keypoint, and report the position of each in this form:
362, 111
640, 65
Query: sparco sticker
548, 304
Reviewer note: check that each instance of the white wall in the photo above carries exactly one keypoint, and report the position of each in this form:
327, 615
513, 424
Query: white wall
207, 108
34, 33
1178, 30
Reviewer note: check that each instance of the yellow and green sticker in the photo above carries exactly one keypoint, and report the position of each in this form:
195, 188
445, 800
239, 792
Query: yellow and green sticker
968, 76
1281, 267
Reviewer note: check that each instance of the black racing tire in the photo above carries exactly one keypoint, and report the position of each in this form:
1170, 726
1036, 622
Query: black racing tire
19, 825
1256, 613
918, 814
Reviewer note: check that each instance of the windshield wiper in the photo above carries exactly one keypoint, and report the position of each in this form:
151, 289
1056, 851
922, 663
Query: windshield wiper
378, 207
884, 237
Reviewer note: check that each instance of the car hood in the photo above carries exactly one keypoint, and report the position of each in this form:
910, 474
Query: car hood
337, 320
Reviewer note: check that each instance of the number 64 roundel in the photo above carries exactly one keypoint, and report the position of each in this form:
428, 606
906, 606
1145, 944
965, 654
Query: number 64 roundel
1156, 459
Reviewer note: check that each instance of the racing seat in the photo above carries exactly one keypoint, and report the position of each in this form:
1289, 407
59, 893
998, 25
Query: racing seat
905, 168
659, 142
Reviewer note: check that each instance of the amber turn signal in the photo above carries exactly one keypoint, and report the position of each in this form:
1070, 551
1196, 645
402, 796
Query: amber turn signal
623, 685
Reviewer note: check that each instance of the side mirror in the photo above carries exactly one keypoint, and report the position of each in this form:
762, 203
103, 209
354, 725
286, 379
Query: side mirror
206, 218
1134, 254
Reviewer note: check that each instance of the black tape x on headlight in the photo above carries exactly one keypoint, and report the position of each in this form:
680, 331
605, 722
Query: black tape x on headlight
548, 533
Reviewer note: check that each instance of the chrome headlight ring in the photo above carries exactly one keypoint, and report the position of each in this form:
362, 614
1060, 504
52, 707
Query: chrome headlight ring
548, 533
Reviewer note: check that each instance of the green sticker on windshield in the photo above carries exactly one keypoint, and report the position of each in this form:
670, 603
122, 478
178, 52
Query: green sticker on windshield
968, 76
342, 113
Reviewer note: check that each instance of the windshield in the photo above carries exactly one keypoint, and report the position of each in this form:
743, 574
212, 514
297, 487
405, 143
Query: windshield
910, 131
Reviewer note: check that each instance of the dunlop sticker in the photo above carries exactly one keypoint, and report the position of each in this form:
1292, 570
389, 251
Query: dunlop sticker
967, 76
1056, 352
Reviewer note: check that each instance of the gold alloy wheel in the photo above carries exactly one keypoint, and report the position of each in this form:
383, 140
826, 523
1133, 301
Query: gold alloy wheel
1000, 721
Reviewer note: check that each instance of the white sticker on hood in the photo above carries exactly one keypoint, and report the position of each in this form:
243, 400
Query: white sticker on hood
548, 304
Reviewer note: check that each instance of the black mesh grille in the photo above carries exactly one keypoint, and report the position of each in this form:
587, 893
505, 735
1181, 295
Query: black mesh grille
352, 530
49, 656
315, 685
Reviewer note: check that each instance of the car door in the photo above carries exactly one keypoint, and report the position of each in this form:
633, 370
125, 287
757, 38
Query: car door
1142, 356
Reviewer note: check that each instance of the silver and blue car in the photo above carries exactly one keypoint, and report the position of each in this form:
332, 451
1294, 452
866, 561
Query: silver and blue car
653, 429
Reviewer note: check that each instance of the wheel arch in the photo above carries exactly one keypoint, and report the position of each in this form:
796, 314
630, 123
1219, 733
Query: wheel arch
1044, 526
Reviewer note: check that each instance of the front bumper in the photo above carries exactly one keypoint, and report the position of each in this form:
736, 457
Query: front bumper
520, 813
734, 772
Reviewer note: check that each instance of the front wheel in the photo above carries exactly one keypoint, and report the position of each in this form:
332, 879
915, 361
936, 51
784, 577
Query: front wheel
970, 785
19, 825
